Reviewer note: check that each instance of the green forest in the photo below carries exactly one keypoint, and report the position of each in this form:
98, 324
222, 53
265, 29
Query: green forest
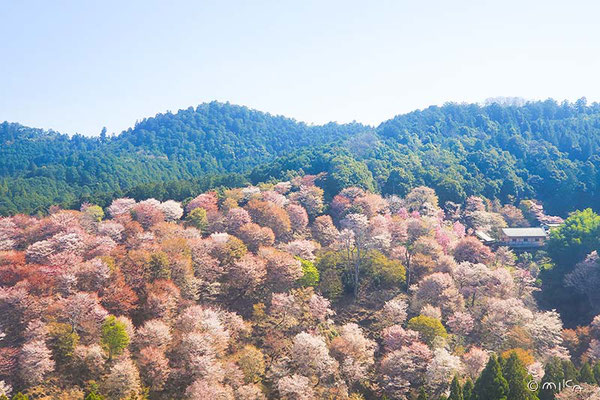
543, 150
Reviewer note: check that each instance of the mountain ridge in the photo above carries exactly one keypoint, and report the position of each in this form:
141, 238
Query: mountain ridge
542, 150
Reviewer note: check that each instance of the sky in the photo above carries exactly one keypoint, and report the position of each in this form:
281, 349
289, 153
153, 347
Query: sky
77, 66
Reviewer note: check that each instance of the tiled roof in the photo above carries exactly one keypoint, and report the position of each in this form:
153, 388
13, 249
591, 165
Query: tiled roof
484, 236
524, 232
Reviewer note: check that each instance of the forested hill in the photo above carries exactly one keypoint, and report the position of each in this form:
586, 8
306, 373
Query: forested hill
542, 150
40, 168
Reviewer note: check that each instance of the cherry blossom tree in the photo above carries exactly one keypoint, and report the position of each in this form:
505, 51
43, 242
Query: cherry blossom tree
8, 234
430, 311
295, 387
161, 300
236, 218
206, 389
154, 367
439, 290
282, 268
5, 389
502, 315
304, 249
395, 337
418, 197
84, 313
461, 323
324, 231
246, 274
275, 197
172, 210
90, 360
35, 362
255, 236
394, 312
585, 278
272, 216
207, 201
354, 352
440, 371
472, 250
40, 252
546, 330
475, 361
120, 207
405, 368
153, 333
298, 217
311, 198
472, 280
112, 229
249, 392
123, 380
310, 356
147, 213
354, 241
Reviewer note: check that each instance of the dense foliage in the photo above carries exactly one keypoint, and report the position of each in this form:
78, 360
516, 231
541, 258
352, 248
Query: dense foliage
39, 168
273, 292
542, 150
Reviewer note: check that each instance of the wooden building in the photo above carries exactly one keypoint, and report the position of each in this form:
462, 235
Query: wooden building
523, 237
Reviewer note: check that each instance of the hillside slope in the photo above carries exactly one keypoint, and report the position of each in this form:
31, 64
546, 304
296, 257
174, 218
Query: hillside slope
40, 168
542, 150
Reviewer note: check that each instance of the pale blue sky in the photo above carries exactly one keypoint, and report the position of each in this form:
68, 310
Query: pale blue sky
75, 66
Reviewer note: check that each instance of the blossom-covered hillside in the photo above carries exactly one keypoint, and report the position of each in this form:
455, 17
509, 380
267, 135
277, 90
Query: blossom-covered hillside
269, 293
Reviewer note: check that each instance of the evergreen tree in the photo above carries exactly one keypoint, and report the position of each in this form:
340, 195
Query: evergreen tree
569, 371
586, 375
491, 385
468, 390
597, 372
456, 392
422, 394
553, 375
517, 377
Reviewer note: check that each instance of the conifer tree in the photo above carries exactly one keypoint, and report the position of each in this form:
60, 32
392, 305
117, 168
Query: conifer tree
517, 377
468, 390
553, 375
456, 392
569, 370
491, 385
597, 372
586, 375
422, 394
